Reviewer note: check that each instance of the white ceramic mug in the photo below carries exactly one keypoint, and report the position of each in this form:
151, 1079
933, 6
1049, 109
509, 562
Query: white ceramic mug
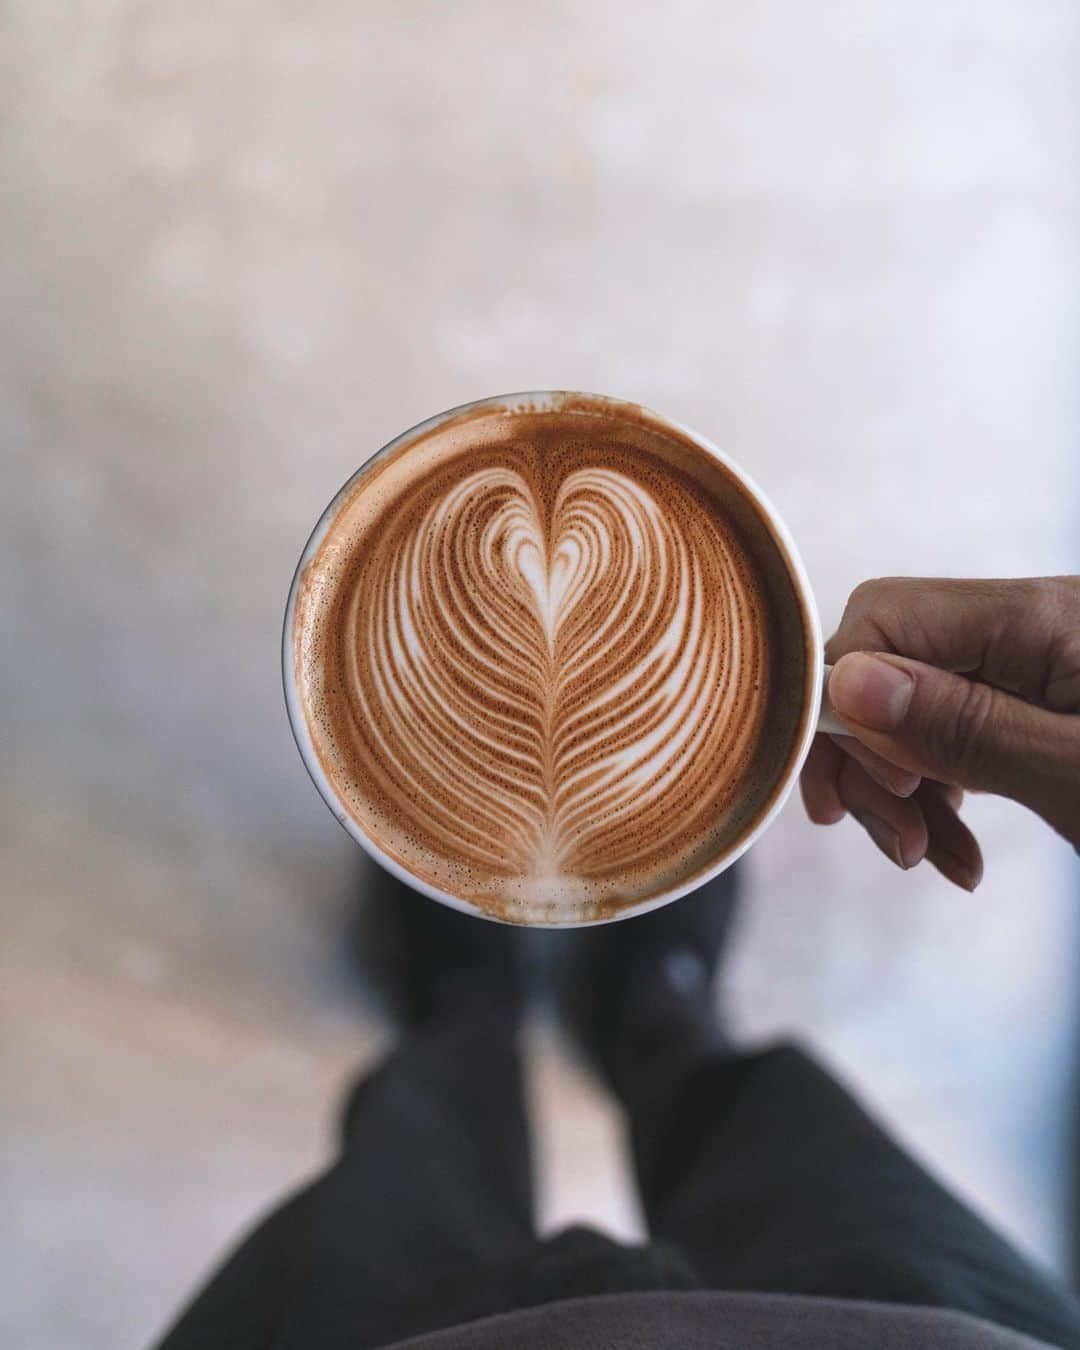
816, 715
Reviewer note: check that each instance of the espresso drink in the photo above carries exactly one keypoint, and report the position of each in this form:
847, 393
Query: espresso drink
552, 661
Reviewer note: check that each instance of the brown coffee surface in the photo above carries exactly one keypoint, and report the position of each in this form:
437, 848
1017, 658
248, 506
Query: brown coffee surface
551, 661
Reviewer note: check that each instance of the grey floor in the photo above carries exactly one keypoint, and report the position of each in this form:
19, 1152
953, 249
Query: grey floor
242, 246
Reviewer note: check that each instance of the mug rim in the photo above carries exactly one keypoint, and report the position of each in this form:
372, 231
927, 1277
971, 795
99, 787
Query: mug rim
549, 401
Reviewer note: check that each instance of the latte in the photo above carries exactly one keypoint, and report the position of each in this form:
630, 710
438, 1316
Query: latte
551, 660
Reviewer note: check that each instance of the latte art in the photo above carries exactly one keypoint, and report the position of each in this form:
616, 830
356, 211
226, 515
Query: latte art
540, 678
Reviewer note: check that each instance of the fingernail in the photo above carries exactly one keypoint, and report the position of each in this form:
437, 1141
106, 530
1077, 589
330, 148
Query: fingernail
883, 834
965, 873
870, 691
889, 841
962, 871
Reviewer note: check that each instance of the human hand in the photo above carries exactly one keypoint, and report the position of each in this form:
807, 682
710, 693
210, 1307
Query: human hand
948, 685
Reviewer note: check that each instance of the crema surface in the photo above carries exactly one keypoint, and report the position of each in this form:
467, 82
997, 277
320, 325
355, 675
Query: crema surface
551, 661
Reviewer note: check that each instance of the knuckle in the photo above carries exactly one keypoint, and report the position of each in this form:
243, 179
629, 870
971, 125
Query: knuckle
1060, 607
861, 623
1044, 605
1045, 624
1064, 593
1061, 686
886, 602
1065, 652
963, 729
863, 592
869, 594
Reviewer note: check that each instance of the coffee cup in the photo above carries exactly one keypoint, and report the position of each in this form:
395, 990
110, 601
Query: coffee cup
545, 592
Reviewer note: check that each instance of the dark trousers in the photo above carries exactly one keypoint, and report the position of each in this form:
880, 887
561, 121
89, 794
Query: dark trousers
757, 1172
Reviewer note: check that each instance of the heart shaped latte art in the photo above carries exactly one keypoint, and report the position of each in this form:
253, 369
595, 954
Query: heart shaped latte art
558, 696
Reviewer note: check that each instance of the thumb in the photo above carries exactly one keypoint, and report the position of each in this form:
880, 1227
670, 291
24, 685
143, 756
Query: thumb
954, 729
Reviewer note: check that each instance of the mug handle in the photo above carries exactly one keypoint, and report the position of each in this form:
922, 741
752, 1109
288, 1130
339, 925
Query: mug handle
827, 720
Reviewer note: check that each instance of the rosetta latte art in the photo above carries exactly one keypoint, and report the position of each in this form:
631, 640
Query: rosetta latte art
558, 694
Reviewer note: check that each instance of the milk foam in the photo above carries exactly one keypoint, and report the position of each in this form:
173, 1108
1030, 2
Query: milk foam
542, 670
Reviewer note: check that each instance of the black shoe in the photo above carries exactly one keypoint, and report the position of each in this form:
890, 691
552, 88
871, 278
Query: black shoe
642, 989
425, 957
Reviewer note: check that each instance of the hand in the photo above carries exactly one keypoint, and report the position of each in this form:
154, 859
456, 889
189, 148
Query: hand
948, 685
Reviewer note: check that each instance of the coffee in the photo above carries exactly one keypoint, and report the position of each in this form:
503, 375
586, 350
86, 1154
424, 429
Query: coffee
551, 660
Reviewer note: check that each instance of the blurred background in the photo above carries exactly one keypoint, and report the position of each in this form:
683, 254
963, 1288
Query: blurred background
244, 244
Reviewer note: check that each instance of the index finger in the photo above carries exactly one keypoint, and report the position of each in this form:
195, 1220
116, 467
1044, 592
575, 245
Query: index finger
1004, 633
